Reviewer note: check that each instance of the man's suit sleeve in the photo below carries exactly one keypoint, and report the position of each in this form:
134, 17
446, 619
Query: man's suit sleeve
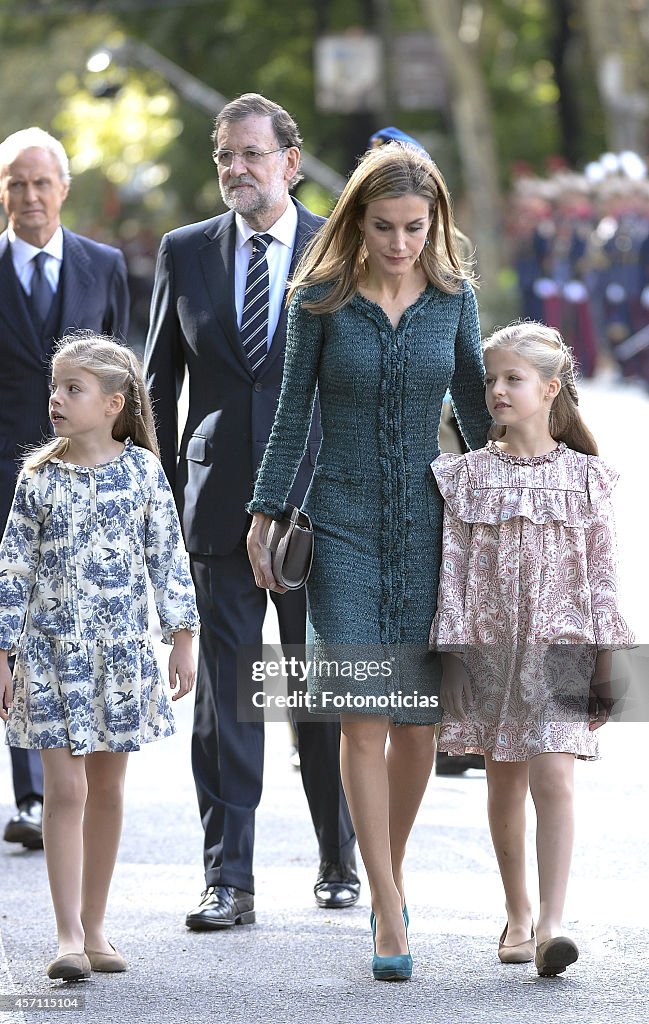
118, 308
164, 360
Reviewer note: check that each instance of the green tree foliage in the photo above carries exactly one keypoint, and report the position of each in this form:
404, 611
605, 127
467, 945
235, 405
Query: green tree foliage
528, 49
115, 144
531, 54
234, 48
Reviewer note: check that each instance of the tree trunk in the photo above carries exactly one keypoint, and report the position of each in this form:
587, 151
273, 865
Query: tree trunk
618, 34
561, 47
472, 122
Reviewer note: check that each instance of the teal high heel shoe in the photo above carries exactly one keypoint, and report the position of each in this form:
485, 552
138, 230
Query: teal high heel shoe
390, 968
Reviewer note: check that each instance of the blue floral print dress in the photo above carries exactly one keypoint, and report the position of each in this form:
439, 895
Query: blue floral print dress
74, 559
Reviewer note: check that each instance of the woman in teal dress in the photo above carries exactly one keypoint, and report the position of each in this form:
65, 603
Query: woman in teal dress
382, 320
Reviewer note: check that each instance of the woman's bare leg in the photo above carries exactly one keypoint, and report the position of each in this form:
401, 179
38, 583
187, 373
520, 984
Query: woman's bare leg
410, 757
364, 774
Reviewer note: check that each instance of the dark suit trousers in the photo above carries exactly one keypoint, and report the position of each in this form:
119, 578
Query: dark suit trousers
27, 771
228, 754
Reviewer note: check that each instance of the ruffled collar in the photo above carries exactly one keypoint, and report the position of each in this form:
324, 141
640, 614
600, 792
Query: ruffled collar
521, 460
128, 446
480, 488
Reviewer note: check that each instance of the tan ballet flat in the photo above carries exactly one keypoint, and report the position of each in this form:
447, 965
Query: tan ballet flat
109, 963
69, 967
522, 953
554, 955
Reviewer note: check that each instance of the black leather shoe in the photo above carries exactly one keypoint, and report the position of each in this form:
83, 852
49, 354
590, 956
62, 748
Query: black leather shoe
26, 827
337, 885
222, 906
446, 764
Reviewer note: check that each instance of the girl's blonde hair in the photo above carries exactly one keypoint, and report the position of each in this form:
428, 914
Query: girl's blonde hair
545, 350
337, 253
118, 371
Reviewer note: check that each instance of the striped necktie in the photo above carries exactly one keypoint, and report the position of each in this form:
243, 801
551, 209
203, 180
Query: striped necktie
41, 294
254, 317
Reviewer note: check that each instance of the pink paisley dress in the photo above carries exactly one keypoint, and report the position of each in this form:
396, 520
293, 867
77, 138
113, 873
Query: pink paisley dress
527, 594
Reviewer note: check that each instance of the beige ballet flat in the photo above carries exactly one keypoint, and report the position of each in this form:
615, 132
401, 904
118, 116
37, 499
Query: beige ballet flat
109, 963
522, 953
554, 955
69, 967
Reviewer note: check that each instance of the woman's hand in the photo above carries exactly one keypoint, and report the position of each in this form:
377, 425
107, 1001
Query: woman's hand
456, 695
182, 670
6, 687
259, 553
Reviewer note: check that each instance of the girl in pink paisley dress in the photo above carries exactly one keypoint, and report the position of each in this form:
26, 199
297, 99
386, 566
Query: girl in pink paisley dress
92, 516
527, 618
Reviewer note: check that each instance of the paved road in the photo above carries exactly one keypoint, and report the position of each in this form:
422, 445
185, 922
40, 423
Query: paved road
300, 964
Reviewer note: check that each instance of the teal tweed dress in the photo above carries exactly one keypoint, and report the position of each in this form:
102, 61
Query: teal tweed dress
376, 510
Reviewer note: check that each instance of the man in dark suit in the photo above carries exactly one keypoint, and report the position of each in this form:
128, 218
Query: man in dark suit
209, 316
51, 281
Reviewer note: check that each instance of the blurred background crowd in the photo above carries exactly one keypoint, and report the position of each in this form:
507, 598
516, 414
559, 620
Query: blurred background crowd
579, 244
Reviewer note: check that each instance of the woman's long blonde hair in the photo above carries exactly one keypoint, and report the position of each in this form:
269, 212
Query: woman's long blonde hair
337, 253
545, 350
118, 371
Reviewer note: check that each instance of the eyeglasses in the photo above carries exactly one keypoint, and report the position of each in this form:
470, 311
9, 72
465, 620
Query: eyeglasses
250, 157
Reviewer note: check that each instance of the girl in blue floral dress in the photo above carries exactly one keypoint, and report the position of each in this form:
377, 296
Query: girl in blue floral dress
92, 515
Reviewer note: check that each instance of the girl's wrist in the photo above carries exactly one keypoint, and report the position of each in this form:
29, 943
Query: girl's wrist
182, 635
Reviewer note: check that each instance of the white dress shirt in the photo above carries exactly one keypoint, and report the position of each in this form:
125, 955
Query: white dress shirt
22, 254
278, 256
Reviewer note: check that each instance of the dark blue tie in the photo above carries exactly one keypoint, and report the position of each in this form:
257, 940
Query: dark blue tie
254, 317
41, 294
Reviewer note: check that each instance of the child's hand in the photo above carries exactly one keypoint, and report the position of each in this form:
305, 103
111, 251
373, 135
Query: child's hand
601, 701
455, 692
600, 705
182, 670
6, 687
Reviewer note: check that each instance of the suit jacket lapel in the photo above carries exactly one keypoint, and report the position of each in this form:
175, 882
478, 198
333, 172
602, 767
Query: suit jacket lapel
13, 304
78, 279
217, 261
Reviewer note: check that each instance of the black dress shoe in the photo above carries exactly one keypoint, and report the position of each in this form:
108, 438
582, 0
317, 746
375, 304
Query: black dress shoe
337, 885
446, 764
222, 906
26, 827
